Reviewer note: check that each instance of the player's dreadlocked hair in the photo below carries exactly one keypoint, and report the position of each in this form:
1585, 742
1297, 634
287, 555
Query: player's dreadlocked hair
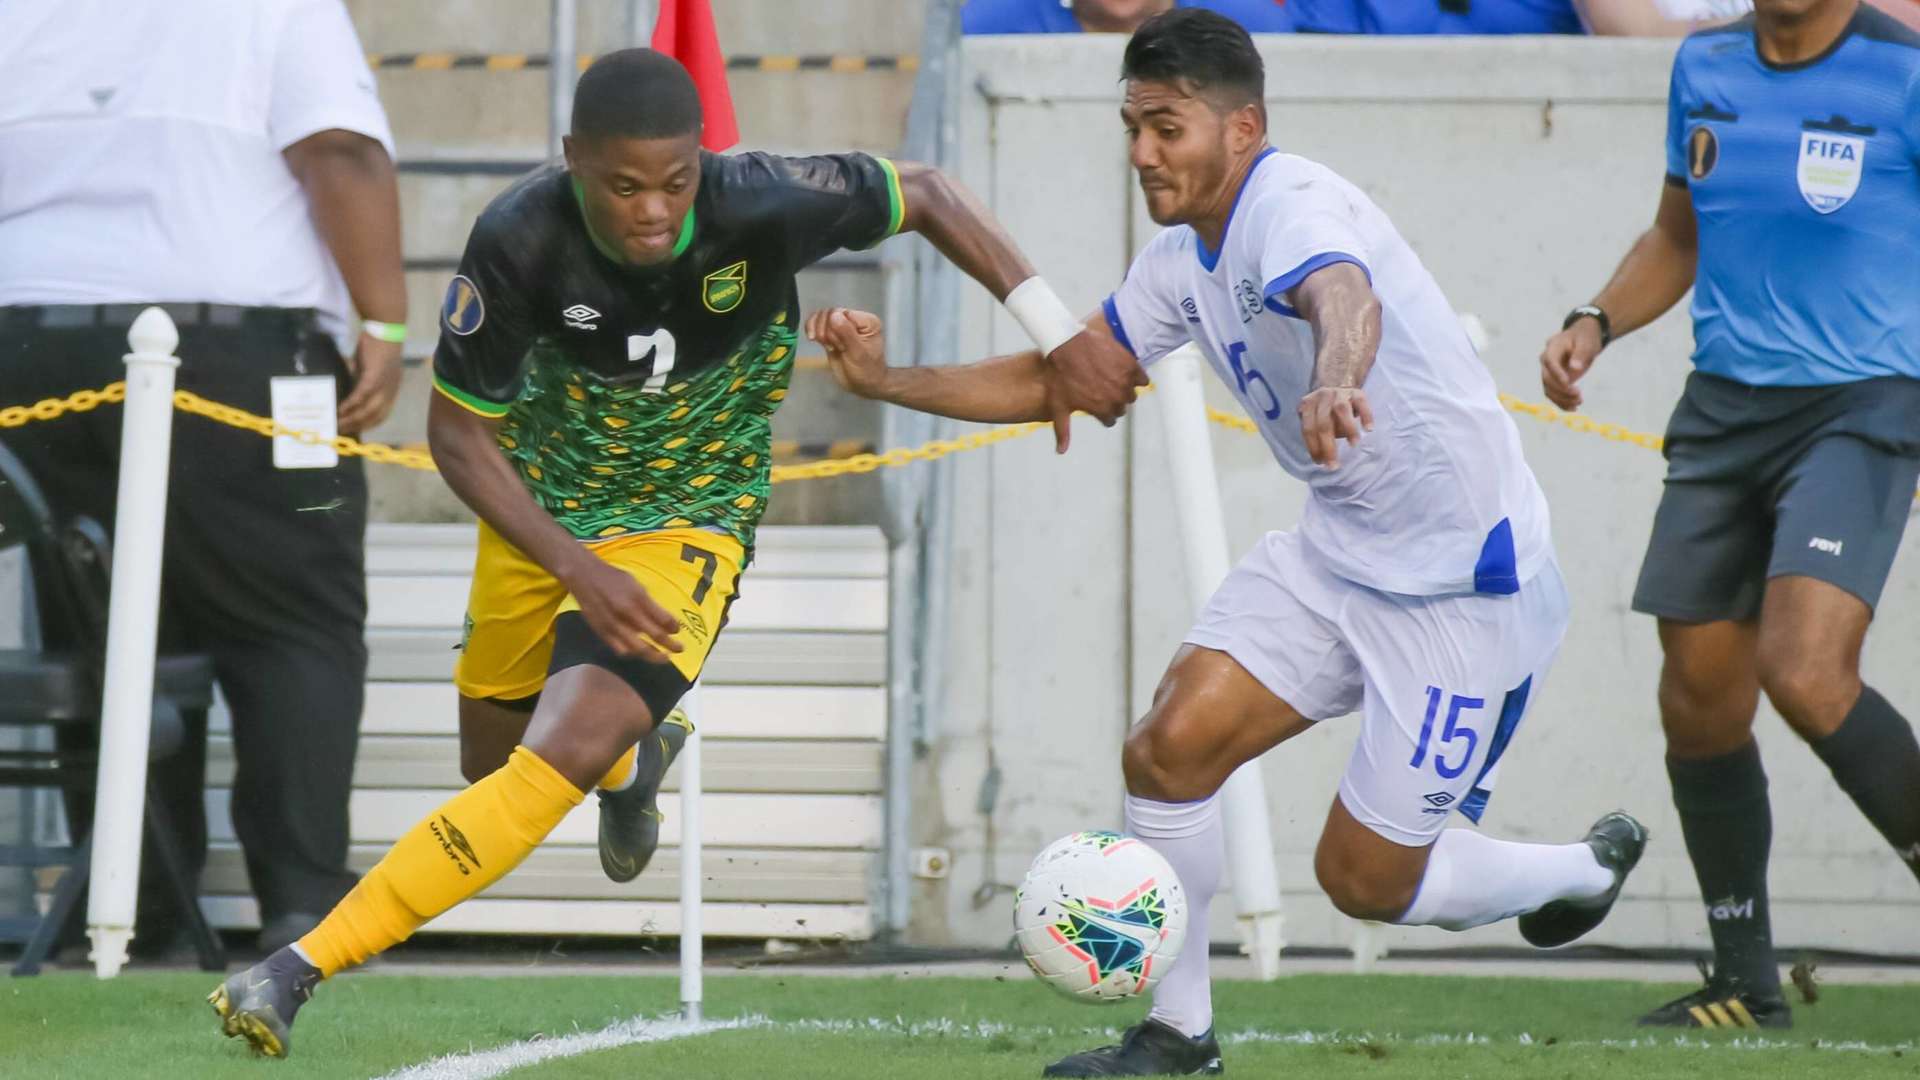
635, 94
1206, 51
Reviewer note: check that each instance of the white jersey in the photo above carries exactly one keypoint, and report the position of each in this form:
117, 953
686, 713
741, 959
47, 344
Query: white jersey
1437, 498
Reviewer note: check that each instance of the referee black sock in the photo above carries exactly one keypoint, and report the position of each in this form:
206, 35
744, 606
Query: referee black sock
1728, 825
1875, 758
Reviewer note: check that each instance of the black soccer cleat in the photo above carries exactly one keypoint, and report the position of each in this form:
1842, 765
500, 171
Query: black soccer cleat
630, 819
258, 1004
1722, 1003
1617, 841
1149, 1048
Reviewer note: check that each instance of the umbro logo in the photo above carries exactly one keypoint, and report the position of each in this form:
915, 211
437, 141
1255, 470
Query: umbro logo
581, 317
1192, 310
454, 843
1439, 798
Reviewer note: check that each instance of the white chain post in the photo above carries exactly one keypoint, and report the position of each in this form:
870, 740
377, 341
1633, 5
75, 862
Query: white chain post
1203, 532
692, 945
133, 623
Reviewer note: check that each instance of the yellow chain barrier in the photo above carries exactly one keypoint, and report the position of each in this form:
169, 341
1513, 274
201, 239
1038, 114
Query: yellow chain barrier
416, 456
1612, 432
14, 416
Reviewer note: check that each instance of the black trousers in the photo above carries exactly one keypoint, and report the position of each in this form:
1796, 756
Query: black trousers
264, 570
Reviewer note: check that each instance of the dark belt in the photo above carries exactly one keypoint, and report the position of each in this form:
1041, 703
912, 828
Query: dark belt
84, 316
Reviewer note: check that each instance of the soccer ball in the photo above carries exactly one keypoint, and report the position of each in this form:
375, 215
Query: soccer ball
1100, 916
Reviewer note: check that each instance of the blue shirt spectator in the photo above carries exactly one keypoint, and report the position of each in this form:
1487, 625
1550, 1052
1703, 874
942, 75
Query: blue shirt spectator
1064, 16
1435, 16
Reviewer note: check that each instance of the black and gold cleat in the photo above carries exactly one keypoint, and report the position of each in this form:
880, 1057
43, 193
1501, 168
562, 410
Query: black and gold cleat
1722, 1003
1617, 841
1149, 1048
630, 818
258, 1004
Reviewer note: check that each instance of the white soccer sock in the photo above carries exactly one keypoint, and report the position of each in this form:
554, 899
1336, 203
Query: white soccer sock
1189, 836
1473, 880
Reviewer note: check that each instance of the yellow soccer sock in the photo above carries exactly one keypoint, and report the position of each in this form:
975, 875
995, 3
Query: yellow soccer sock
469, 843
621, 775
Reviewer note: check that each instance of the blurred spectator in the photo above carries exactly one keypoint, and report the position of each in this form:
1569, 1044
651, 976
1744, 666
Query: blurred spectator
1636, 18
1110, 16
233, 161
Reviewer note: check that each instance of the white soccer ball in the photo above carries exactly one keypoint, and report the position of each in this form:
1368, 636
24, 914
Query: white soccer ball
1100, 916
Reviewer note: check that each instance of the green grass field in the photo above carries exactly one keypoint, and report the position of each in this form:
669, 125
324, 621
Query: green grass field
796, 1027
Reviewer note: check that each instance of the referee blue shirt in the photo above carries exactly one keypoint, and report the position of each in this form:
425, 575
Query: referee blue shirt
1056, 17
1804, 184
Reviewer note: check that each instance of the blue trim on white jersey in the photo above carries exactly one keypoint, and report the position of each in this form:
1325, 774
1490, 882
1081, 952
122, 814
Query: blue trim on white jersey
1298, 274
1498, 571
1211, 259
1511, 710
1119, 328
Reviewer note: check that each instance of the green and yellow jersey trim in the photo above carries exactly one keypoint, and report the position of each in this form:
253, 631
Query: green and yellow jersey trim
681, 245
476, 405
896, 201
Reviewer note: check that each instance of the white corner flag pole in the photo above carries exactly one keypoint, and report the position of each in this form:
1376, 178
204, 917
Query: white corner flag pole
1203, 532
692, 947
133, 621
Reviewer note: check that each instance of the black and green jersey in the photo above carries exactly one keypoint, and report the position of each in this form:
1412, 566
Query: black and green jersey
641, 398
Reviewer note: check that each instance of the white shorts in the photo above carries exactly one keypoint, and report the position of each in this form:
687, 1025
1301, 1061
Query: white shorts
1442, 682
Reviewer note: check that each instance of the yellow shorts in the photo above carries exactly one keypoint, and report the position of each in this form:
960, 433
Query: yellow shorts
510, 612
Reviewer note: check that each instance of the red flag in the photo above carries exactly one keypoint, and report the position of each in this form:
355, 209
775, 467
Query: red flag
685, 32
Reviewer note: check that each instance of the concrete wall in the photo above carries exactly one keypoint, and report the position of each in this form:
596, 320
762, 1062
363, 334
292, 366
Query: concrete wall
1520, 170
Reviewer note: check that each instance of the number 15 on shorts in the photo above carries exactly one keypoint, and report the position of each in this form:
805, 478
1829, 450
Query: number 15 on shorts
1452, 747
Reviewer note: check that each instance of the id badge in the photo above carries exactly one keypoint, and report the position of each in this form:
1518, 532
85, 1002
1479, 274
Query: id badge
305, 403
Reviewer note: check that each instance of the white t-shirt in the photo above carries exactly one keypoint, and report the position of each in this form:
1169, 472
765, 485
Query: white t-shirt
1437, 498
140, 149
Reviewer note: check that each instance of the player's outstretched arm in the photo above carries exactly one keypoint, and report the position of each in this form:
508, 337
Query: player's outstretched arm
1338, 302
1656, 273
466, 448
1003, 390
1092, 373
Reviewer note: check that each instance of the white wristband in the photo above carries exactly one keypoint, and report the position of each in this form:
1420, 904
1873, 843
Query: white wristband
1039, 311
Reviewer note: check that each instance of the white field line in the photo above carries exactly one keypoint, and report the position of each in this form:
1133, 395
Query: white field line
480, 1065
989, 1030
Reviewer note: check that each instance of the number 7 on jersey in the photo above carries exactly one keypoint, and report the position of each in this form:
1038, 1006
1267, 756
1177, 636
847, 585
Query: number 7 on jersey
660, 345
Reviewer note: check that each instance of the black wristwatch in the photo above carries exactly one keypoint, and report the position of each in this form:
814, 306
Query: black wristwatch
1589, 311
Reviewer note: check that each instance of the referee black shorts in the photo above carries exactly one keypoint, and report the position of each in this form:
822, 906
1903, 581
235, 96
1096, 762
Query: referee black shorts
1764, 482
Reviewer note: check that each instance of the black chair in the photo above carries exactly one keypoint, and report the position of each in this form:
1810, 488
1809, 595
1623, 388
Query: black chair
60, 690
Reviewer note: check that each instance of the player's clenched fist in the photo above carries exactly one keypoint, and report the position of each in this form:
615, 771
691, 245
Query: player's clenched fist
1330, 414
1568, 356
856, 345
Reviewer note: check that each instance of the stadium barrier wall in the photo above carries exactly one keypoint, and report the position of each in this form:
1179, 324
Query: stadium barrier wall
1520, 170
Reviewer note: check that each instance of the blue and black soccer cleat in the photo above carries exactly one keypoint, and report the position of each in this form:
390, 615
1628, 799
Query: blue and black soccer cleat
1149, 1048
258, 1004
630, 818
1617, 841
